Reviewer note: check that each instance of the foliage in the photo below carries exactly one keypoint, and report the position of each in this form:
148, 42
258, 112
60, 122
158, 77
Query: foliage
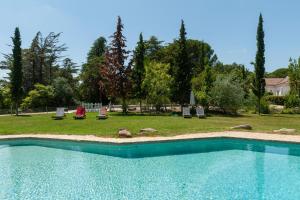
227, 94
259, 65
90, 74
202, 85
182, 71
16, 73
153, 49
276, 100
63, 92
278, 73
157, 84
115, 73
264, 106
5, 96
98, 48
294, 76
138, 70
292, 101
40, 96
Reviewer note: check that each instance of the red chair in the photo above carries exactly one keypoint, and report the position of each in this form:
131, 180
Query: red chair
80, 113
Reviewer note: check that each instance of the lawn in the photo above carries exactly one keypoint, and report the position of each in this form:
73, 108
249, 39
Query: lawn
166, 125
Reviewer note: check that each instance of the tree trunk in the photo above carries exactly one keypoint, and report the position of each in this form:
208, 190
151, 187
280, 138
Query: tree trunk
141, 106
259, 109
17, 111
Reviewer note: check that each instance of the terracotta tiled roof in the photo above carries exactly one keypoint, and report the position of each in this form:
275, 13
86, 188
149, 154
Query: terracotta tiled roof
276, 81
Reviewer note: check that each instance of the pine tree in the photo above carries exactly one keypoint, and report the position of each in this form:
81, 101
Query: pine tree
16, 72
115, 73
259, 65
183, 70
138, 71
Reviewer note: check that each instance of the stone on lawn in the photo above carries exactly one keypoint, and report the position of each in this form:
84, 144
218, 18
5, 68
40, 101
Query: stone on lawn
147, 130
124, 133
243, 126
285, 130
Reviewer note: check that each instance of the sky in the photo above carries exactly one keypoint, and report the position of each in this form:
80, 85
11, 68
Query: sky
229, 26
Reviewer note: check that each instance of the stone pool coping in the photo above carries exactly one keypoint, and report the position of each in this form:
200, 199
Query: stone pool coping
142, 139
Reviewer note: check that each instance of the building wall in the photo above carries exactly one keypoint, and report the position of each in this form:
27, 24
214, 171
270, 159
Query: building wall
279, 90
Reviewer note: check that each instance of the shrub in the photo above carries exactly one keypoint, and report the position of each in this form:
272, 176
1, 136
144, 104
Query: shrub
41, 95
227, 94
264, 106
157, 84
292, 101
276, 100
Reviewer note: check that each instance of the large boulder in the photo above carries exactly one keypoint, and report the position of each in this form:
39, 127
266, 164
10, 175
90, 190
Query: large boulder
124, 133
147, 130
243, 126
285, 130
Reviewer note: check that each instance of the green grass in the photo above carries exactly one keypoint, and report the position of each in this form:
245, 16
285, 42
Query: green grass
166, 125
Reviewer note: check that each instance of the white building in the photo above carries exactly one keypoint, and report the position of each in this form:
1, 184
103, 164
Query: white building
278, 86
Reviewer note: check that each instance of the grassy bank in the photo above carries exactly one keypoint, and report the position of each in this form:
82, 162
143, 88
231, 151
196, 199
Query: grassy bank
166, 125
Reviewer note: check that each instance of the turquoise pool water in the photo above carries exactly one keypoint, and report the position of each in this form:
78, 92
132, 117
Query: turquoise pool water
198, 169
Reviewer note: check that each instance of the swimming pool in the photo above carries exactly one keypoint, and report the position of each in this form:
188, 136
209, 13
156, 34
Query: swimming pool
218, 168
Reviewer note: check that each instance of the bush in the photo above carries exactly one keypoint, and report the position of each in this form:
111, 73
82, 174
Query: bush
276, 100
227, 94
40, 96
292, 101
264, 106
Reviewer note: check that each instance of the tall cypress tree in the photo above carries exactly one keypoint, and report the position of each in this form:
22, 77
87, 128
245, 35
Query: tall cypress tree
259, 65
16, 71
183, 70
138, 71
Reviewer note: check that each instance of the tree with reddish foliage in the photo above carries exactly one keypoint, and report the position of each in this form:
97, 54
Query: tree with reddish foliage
115, 73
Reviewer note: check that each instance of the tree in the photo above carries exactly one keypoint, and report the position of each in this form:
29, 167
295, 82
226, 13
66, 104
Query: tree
183, 70
90, 74
227, 94
152, 49
41, 95
259, 65
116, 74
63, 92
157, 84
279, 73
138, 71
98, 48
294, 76
202, 85
16, 74
67, 71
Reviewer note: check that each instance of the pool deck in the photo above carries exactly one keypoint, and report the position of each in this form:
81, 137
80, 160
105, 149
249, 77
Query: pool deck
143, 139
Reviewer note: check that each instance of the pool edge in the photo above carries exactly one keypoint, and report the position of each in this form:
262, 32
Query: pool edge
123, 141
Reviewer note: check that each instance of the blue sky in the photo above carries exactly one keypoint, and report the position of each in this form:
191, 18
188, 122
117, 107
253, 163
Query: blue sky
229, 26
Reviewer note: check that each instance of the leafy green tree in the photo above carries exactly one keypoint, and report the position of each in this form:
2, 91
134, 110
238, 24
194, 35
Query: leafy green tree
90, 74
202, 85
157, 84
63, 92
294, 76
279, 73
138, 71
259, 65
98, 48
16, 74
116, 78
153, 49
183, 70
68, 71
227, 94
40, 96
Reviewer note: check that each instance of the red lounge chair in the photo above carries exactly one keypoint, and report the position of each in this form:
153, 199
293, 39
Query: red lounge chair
102, 113
80, 113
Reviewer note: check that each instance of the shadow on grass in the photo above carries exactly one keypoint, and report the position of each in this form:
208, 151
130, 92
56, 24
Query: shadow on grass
22, 115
